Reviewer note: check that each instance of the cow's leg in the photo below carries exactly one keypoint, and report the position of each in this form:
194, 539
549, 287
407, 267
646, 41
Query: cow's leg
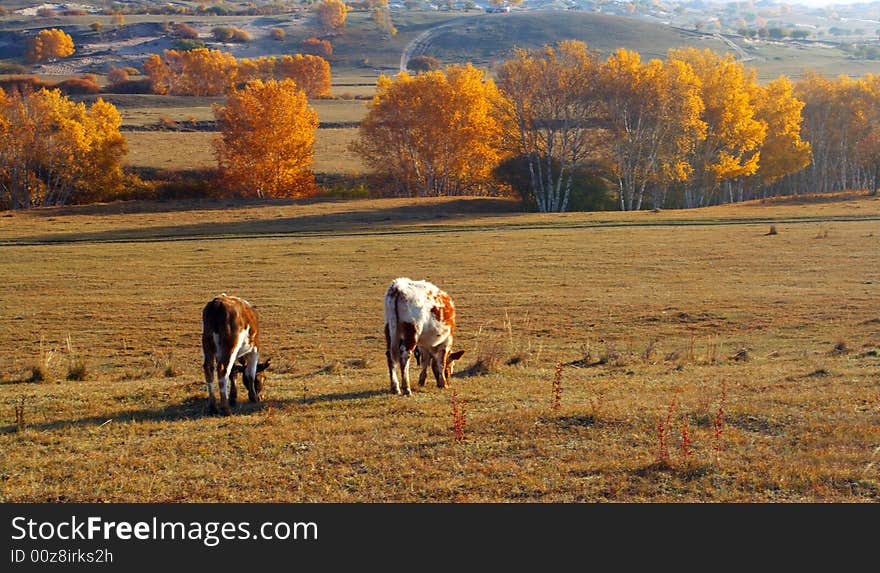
438, 365
426, 360
392, 355
208, 352
233, 393
250, 376
225, 371
223, 374
406, 346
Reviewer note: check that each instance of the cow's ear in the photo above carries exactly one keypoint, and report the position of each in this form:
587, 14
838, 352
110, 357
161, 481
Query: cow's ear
455, 355
263, 365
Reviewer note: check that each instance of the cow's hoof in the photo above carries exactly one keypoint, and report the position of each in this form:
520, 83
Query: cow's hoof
407, 392
212, 408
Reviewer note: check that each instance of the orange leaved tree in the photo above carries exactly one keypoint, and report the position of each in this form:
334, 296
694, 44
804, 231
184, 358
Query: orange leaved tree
266, 141
436, 133
199, 72
331, 15
731, 148
53, 150
311, 73
49, 45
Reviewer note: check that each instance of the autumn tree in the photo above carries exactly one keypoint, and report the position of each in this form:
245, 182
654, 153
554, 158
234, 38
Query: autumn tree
433, 134
262, 68
868, 156
311, 73
267, 136
783, 152
317, 47
49, 45
553, 114
199, 72
653, 113
203, 72
423, 64
117, 76
331, 15
731, 147
53, 150
381, 15
838, 113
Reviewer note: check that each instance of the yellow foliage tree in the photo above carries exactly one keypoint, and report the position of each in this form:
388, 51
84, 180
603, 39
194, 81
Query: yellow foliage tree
48, 45
731, 148
199, 72
331, 15
203, 72
433, 134
53, 150
381, 15
653, 112
553, 115
311, 73
783, 151
267, 138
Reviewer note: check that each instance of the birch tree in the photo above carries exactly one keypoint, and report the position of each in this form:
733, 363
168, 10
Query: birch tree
653, 111
554, 114
731, 147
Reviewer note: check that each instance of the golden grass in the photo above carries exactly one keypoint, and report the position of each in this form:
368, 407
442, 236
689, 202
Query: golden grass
687, 311
193, 150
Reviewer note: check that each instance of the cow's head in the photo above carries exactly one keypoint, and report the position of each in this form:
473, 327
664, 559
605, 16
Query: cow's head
450, 363
255, 386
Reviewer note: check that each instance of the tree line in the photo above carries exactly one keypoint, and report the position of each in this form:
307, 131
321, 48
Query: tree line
560, 125
692, 130
205, 72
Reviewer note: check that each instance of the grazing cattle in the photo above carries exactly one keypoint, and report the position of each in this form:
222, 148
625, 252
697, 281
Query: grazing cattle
419, 316
230, 332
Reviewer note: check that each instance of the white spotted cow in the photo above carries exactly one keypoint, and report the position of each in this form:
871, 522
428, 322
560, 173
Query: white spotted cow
230, 333
418, 315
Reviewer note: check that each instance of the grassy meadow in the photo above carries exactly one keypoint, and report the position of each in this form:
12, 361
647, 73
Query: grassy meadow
701, 358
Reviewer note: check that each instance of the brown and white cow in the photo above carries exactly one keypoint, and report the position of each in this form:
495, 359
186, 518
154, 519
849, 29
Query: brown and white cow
230, 333
419, 315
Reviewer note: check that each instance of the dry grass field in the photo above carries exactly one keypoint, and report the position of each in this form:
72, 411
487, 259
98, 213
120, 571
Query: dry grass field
701, 358
193, 150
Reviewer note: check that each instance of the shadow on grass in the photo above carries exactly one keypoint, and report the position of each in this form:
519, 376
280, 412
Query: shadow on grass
334, 397
357, 218
191, 408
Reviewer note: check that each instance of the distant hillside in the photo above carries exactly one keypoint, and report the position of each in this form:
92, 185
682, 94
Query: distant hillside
488, 37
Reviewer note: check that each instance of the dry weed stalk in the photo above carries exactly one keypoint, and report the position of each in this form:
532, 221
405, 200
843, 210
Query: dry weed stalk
19, 415
458, 416
557, 388
663, 426
718, 421
686, 443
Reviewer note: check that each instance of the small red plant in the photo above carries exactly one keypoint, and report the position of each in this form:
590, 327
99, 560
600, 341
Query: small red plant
557, 388
718, 421
686, 443
663, 426
458, 416
662, 449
